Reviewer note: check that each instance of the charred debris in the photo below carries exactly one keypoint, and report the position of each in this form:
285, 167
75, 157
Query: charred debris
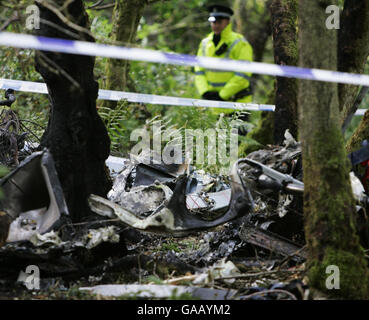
163, 230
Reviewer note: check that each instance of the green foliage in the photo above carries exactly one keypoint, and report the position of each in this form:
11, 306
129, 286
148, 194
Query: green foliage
120, 123
176, 25
18, 64
170, 246
152, 279
3, 171
178, 245
182, 296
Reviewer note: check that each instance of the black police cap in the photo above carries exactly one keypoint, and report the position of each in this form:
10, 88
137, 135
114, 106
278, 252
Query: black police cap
217, 11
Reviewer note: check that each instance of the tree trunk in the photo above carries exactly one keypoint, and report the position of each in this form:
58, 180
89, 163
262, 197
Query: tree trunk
263, 132
126, 17
328, 202
76, 136
284, 20
353, 48
257, 33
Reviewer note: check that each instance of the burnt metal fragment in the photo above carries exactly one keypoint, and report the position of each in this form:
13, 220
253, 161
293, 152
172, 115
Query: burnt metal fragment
272, 242
175, 218
32, 195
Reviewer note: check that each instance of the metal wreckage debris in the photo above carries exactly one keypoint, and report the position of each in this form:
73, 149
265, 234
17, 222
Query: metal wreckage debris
32, 201
257, 210
151, 205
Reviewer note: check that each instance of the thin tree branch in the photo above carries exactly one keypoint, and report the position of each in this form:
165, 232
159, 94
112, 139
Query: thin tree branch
13, 18
66, 4
105, 6
360, 97
96, 4
59, 28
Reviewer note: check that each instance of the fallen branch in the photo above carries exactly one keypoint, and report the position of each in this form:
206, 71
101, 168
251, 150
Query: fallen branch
296, 253
179, 279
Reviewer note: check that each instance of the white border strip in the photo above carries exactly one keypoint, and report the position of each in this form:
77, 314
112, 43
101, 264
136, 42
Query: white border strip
95, 49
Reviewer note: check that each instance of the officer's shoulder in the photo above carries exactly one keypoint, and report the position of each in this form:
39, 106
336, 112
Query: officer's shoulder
241, 40
240, 36
208, 37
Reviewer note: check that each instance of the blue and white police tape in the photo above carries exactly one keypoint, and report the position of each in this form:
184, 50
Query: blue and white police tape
38, 87
95, 49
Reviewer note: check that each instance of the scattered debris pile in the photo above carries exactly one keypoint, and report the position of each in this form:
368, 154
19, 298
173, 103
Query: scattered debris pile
164, 231
274, 176
162, 199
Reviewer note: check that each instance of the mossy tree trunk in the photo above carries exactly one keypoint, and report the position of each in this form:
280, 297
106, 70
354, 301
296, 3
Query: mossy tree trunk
126, 18
329, 206
75, 135
284, 27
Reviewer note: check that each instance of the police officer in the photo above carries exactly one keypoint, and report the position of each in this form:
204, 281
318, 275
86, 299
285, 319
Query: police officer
222, 42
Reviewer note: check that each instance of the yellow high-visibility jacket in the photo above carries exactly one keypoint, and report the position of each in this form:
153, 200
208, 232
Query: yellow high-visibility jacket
228, 84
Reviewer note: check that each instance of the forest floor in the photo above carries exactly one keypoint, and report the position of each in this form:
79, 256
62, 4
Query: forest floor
198, 260
259, 255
